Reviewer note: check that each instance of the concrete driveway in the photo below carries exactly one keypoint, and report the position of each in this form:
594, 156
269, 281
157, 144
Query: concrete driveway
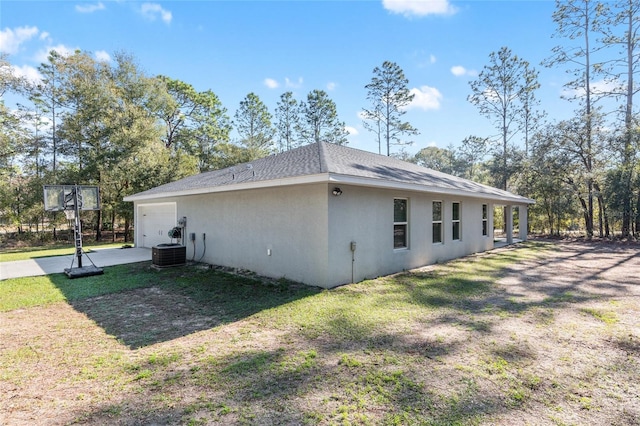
57, 264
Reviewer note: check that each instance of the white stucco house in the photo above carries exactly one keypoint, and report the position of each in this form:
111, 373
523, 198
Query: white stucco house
325, 215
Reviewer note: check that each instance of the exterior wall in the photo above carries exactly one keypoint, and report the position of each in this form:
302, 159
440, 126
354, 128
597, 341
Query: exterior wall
275, 232
365, 216
304, 233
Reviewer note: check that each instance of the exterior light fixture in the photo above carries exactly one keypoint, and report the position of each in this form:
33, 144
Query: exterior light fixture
337, 191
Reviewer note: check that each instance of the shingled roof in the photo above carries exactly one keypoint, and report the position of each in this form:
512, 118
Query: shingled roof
326, 162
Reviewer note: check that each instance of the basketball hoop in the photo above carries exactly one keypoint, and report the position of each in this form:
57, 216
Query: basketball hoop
72, 199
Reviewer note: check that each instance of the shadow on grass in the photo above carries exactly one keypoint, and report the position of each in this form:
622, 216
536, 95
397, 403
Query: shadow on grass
141, 306
349, 368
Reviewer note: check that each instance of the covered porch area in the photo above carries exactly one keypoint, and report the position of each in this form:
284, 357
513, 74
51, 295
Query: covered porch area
513, 224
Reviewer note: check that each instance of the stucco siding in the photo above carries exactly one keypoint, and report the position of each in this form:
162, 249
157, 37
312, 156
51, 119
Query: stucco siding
365, 216
304, 233
275, 232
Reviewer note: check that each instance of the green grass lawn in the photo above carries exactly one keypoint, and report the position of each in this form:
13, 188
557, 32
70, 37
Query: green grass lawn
446, 345
26, 253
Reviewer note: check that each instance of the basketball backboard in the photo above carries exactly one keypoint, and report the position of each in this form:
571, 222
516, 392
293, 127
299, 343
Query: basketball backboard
60, 197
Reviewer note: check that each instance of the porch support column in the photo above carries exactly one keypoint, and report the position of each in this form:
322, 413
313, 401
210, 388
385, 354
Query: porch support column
524, 225
508, 213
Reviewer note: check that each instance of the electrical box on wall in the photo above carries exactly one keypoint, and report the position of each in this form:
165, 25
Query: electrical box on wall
192, 236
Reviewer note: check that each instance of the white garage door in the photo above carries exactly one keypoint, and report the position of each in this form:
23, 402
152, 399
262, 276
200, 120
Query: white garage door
154, 223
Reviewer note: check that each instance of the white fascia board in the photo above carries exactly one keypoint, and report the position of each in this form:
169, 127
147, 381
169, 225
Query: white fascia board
379, 183
298, 180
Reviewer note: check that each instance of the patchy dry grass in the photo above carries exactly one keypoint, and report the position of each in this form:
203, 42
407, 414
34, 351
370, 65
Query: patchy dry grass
539, 334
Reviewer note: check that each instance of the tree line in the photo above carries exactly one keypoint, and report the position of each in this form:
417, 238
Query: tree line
111, 125
583, 171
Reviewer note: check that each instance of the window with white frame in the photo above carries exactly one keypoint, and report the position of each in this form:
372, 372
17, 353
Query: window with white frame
400, 223
455, 215
437, 222
485, 220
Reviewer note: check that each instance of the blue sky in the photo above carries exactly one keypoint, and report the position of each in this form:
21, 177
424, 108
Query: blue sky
269, 47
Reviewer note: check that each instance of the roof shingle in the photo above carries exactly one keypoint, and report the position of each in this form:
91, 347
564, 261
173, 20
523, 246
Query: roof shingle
329, 159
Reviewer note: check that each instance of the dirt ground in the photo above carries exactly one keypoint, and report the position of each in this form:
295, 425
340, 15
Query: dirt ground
564, 340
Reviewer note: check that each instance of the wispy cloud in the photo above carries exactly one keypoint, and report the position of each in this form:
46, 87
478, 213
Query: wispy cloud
153, 11
600, 87
424, 59
10, 40
43, 54
293, 84
102, 56
28, 72
411, 8
271, 83
331, 86
89, 8
351, 130
425, 98
460, 71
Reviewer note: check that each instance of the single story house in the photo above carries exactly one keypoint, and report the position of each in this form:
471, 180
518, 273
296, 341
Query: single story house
325, 215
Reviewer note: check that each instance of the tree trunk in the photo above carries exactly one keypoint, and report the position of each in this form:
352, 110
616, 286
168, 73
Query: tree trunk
126, 230
113, 225
600, 216
631, 45
589, 211
637, 232
587, 218
603, 212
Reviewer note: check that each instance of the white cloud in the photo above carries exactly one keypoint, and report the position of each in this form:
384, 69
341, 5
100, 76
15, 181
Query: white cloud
331, 86
43, 54
410, 8
425, 97
89, 8
597, 88
102, 56
351, 130
10, 40
28, 72
271, 83
293, 84
432, 59
459, 71
152, 11
45, 36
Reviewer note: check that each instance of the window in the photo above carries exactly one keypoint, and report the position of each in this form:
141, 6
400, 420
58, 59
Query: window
455, 213
485, 220
400, 223
437, 222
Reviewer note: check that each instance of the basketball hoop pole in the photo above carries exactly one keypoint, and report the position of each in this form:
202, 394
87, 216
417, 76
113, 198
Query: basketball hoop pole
77, 227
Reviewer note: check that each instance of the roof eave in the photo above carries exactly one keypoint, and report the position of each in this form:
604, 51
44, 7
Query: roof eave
334, 178
417, 187
297, 180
